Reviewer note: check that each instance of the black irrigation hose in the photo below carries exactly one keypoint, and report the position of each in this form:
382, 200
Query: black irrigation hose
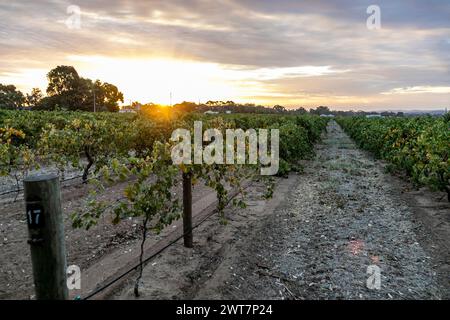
149, 258
62, 181
11, 191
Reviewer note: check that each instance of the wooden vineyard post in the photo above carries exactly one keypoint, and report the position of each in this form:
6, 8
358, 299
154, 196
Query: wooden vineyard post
187, 210
46, 236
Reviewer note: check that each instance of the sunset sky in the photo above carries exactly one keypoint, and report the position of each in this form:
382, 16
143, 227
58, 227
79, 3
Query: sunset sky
289, 52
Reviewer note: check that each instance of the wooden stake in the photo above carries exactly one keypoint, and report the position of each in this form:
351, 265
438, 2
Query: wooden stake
187, 210
46, 236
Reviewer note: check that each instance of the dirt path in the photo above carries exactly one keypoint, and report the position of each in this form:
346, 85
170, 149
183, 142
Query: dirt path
314, 240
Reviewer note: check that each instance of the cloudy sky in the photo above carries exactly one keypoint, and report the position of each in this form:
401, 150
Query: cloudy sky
289, 52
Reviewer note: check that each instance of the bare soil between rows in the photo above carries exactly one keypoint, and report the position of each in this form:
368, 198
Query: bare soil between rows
313, 240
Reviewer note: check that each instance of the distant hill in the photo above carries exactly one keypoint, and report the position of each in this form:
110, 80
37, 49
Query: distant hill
415, 112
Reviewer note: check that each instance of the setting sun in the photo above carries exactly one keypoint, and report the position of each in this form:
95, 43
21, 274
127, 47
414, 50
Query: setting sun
157, 80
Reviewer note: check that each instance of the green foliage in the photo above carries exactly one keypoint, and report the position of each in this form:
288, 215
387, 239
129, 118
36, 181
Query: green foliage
420, 146
97, 140
14, 156
270, 184
136, 148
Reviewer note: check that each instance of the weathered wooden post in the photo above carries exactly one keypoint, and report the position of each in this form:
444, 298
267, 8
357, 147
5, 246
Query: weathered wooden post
46, 236
187, 210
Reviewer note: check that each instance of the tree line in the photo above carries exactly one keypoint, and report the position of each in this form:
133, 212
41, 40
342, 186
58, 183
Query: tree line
66, 90
231, 106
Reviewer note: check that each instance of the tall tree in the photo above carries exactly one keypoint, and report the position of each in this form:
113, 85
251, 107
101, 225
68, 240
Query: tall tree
321, 110
64, 88
61, 80
111, 96
68, 90
10, 97
279, 108
33, 99
185, 106
107, 96
300, 110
